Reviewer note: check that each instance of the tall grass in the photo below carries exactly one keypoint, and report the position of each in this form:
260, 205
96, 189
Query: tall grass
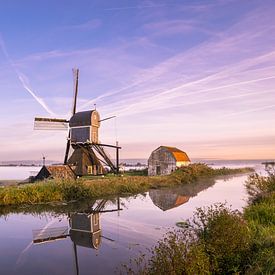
54, 190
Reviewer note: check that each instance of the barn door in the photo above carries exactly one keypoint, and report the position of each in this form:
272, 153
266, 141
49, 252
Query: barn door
158, 169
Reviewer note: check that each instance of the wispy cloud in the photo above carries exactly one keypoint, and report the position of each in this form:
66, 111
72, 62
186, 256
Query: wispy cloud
148, 81
23, 79
88, 25
254, 110
176, 26
138, 7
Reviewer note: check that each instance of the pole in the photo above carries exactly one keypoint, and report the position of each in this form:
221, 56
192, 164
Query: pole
75, 72
117, 158
75, 259
118, 203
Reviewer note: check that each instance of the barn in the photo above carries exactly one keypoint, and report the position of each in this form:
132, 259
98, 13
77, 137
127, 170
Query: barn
165, 160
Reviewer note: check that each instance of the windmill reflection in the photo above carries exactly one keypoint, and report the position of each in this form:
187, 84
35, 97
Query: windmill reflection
167, 199
84, 228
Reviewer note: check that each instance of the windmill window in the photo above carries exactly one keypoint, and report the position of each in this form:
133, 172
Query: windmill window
90, 170
95, 220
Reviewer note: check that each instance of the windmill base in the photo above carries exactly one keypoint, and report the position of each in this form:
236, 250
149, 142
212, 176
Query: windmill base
84, 162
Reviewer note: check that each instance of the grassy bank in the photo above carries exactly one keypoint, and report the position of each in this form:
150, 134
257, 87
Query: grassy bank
218, 240
64, 191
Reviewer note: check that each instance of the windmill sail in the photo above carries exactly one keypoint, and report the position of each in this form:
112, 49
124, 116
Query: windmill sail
50, 234
75, 73
42, 123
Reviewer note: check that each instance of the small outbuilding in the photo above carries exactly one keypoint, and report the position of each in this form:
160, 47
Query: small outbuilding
55, 172
164, 160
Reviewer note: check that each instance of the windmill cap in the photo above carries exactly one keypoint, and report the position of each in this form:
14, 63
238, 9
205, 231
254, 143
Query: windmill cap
83, 118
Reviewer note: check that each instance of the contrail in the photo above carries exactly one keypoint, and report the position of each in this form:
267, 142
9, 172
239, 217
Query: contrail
145, 108
38, 99
188, 84
217, 88
251, 110
22, 80
19, 259
164, 96
113, 92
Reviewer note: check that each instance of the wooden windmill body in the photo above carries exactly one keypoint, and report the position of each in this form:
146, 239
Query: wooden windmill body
88, 156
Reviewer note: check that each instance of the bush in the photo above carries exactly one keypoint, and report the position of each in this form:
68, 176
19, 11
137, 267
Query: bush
262, 213
259, 187
261, 218
225, 236
216, 241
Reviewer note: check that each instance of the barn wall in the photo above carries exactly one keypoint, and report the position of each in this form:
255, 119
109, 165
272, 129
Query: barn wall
161, 162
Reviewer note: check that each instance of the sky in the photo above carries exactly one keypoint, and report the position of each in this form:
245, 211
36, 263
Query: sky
198, 75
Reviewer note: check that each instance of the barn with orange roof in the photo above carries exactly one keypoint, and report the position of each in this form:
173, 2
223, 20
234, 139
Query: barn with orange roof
165, 159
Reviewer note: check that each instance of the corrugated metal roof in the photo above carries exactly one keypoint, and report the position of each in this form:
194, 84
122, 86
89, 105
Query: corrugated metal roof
177, 153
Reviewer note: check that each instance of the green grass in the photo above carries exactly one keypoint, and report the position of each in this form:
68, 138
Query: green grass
218, 240
85, 188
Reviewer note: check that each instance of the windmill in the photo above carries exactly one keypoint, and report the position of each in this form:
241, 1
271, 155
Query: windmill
89, 156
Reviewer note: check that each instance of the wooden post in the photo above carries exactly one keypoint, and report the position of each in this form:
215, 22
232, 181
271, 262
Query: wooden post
76, 259
117, 158
118, 203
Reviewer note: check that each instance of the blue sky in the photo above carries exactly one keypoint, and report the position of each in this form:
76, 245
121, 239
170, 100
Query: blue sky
199, 75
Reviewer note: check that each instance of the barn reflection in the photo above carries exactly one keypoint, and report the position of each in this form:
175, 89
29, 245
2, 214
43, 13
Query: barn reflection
167, 199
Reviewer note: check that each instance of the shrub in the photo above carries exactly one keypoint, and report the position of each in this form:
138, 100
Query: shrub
225, 236
259, 187
262, 213
216, 241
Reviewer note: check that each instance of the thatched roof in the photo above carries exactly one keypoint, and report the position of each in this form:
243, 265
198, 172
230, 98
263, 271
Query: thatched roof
55, 172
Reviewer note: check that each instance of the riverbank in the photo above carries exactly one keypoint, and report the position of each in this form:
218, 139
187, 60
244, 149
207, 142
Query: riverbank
65, 191
219, 240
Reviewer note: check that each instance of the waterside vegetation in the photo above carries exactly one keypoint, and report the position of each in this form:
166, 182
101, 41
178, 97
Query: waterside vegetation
219, 240
81, 189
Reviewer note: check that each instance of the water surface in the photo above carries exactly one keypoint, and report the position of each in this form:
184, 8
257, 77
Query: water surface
95, 237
